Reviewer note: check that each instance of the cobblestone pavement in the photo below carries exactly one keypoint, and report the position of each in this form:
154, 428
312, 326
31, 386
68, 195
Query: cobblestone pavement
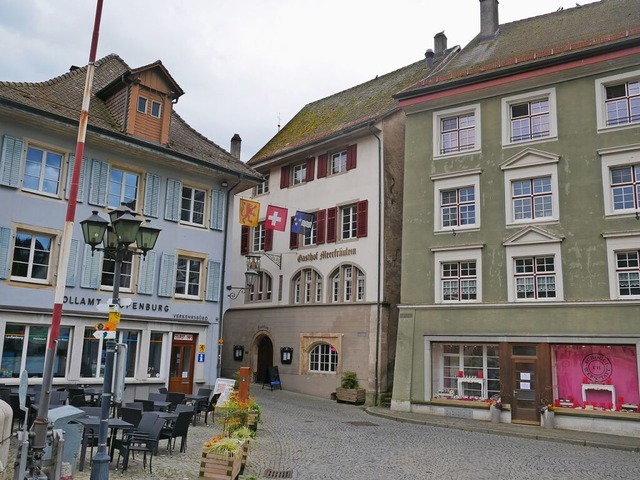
303, 437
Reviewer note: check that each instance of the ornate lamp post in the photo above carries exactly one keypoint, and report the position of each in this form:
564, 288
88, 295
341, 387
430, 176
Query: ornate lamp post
124, 230
250, 276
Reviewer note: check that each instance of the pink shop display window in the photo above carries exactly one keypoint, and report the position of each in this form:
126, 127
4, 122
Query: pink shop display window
615, 366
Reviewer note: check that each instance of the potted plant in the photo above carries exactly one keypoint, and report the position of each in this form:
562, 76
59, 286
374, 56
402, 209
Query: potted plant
350, 390
221, 458
244, 435
495, 409
547, 415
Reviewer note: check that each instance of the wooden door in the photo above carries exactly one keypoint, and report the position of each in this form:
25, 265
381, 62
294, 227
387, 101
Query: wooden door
526, 385
181, 363
265, 358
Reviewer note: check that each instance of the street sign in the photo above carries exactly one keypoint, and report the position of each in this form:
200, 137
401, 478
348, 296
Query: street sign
114, 317
220, 341
201, 358
102, 307
202, 348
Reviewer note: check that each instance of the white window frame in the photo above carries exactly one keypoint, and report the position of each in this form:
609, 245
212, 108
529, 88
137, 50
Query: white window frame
601, 111
351, 231
123, 188
307, 287
187, 283
123, 275
146, 104
153, 104
262, 289
43, 169
543, 167
258, 237
456, 112
339, 159
333, 358
619, 242
627, 156
52, 256
309, 237
299, 174
191, 210
507, 102
263, 187
546, 249
455, 181
347, 284
471, 253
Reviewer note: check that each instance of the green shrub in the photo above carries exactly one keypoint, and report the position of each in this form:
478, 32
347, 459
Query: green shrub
349, 380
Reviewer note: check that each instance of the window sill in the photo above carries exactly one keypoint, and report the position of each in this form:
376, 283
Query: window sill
553, 138
580, 412
461, 403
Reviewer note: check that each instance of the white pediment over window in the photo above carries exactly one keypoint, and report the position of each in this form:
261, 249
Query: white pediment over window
532, 235
529, 157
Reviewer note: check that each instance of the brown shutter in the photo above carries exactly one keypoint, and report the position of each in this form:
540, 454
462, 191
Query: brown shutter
352, 154
311, 166
244, 240
293, 237
323, 160
321, 226
284, 177
268, 240
332, 214
361, 218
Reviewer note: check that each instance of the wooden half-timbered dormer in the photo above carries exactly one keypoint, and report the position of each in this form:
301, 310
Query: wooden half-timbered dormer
142, 100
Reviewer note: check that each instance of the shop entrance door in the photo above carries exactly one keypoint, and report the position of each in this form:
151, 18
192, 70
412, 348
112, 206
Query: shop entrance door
265, 358
181, 365
525, 384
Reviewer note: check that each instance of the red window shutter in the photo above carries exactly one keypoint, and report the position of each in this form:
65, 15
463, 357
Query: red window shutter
284, 177
323, 161
268, 240
293, 237
332, 214
361, 218
311, 166
244, 240
352, 156
321, 226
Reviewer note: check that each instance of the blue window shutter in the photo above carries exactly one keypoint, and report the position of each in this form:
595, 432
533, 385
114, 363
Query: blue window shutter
83, 170
212, 293
5, 247
218, 208
71, 267
151, 195
172, 202
91, 268
98, 184
11, 161
166, 282
147, 274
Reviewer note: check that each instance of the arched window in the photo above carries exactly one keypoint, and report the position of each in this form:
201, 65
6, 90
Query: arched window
307, 287
347, 284
323, 358
261, 290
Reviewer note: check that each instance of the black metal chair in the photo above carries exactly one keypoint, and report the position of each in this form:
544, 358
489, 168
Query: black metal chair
175, 398
179, 428
76, 397
132, 415
163, 390
141, 440
211, 407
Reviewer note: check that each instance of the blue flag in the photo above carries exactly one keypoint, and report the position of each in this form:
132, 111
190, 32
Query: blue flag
302, 222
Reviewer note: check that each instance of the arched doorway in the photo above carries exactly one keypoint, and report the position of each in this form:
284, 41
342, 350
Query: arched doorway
264, 357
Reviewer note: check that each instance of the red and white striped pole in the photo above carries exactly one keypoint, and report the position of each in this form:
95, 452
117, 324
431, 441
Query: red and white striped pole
40, 425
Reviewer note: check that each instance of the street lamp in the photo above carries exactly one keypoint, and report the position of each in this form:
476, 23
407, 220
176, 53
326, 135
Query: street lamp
250, 276
116, 238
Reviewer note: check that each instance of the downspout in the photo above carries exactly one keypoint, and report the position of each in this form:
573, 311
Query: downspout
222, 277
376, 387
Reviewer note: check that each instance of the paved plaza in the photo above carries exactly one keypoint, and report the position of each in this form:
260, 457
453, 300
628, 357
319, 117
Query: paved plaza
308, 438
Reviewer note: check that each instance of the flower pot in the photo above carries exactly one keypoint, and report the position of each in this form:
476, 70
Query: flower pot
495, 414
351, 395
548, 419
220, 467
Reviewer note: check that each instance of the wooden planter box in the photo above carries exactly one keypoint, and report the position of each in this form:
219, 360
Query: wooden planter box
351, 395
252, 421
219, 467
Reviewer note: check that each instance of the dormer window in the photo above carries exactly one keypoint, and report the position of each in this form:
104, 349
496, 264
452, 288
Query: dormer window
155, 109
142, 105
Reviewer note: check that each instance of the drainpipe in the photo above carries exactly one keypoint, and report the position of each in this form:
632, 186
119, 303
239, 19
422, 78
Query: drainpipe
222, 276
376, 387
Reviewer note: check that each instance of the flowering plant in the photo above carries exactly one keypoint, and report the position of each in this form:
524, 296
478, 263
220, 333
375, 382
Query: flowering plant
544, 407
221, 445
496, 402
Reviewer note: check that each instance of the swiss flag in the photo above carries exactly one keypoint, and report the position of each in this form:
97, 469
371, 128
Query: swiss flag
276, 218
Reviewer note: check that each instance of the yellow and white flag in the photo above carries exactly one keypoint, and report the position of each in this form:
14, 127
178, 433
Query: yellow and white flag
249, 212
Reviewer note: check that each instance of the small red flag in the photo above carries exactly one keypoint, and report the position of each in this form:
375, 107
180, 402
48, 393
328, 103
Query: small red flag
276, 218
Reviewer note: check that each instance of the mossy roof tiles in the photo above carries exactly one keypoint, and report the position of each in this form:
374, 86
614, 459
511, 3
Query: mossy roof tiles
62, 96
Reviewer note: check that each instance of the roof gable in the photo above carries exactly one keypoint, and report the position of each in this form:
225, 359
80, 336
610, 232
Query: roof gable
529, 157
532, 235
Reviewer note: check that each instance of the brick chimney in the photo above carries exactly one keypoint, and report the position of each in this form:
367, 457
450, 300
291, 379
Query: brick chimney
488, 19
236, 143
439, 43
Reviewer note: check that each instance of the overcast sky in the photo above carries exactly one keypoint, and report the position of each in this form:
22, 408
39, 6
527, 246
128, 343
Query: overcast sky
245, 65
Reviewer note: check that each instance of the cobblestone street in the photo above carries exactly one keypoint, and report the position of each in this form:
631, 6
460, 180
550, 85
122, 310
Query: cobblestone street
309, 438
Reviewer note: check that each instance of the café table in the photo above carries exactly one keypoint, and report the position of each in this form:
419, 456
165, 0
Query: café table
159, 405
93, 424
196, 399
